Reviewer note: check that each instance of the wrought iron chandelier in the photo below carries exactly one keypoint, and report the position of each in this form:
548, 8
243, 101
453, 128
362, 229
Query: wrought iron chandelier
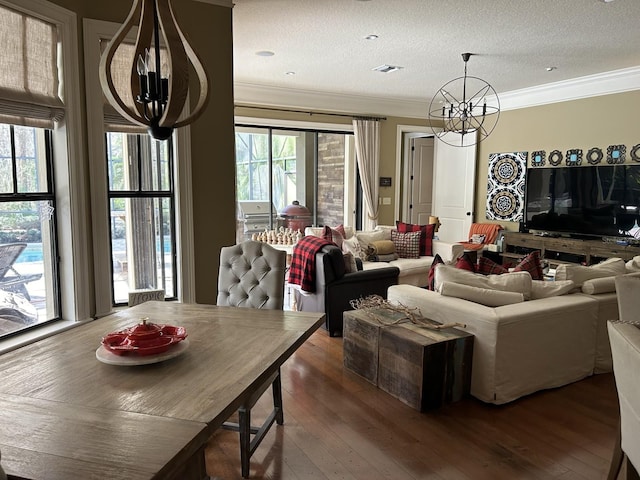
466, 105
161, 89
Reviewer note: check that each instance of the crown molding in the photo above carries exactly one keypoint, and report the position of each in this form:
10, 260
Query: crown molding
616, 81
608, 83
221, 3
271, 96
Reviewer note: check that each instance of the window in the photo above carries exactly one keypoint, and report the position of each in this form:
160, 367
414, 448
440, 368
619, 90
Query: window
28, 254
280, 165
141, 207
44, 275
137, 218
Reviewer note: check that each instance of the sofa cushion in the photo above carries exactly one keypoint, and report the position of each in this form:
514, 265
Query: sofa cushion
519, 282
580, 274
596, 286
544, 289
483, 296
426, 235
407, 244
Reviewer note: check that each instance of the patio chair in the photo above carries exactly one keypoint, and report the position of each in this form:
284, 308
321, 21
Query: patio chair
10, 279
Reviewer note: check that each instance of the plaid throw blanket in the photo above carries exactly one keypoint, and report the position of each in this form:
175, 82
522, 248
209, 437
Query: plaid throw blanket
303, 262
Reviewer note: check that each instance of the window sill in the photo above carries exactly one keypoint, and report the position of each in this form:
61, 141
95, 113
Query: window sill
37, 334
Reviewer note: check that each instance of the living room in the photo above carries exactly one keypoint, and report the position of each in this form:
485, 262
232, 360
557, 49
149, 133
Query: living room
599, 115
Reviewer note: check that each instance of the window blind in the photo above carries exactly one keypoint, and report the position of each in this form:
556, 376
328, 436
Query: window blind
29, 82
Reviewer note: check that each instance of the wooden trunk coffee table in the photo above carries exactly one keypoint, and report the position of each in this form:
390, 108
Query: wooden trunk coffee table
422, 367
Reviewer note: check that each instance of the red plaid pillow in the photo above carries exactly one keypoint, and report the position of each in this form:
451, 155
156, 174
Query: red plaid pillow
333, 235
407, 244
531, 263
486, 266
432, 272
465, 263
426, 235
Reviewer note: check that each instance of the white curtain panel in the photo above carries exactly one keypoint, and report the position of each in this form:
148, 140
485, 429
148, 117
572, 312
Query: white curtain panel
367, 136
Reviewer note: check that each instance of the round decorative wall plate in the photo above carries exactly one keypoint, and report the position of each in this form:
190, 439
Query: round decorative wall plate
594, 155
555, 158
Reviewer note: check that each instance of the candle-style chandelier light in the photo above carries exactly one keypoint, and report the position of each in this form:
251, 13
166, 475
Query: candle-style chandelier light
466, 105
159, 70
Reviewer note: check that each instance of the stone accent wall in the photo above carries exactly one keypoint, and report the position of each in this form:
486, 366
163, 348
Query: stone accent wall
331, 159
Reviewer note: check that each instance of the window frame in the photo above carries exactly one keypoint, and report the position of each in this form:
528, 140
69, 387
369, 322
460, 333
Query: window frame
76, 295
95, 31
351, 208
149, 193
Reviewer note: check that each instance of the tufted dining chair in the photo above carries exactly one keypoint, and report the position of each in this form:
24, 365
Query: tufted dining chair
625, 350
252, 275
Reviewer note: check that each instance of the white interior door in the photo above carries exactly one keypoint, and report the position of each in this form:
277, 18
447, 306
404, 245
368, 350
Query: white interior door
421, 180
454, 170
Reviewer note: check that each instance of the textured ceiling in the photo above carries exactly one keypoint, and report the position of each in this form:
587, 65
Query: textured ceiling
514, 41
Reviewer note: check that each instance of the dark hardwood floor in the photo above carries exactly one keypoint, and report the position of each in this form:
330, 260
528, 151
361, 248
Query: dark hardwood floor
338, 426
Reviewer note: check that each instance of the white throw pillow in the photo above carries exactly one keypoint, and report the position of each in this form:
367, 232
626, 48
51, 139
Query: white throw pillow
483, 296
544, 289
351, 245
580, 274
519, 282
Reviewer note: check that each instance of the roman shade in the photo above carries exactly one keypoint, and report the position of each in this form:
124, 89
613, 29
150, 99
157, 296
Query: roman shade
29, 81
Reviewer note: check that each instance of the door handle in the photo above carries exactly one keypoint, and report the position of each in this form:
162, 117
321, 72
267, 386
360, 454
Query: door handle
468, 214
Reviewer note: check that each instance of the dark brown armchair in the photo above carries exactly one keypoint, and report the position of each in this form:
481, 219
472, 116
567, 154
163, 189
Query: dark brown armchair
334, 289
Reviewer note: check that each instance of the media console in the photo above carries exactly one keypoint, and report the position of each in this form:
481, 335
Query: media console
558, 250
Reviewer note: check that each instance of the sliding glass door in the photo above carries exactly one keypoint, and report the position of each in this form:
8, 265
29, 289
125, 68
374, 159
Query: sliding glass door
279, 166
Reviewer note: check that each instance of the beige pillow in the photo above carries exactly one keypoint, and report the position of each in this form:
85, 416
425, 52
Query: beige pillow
367, 238
519, 282
633, 265
544, 289
484, 296
350, 265
580, 274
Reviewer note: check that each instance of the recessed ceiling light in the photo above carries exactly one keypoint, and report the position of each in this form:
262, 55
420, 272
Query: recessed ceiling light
551, 69
290, 73
265, 53
386, 68
373, 36
606, 1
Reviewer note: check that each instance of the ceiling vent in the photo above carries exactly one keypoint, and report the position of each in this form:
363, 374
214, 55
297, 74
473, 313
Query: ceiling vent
386, 68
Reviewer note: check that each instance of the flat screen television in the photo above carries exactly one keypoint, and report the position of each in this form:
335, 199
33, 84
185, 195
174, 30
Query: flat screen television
596, 200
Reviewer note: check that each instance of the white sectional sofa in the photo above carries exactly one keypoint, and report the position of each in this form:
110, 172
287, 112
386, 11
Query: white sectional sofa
413, 271
527, 346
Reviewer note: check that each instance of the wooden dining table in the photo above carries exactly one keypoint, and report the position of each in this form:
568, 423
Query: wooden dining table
64, 414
